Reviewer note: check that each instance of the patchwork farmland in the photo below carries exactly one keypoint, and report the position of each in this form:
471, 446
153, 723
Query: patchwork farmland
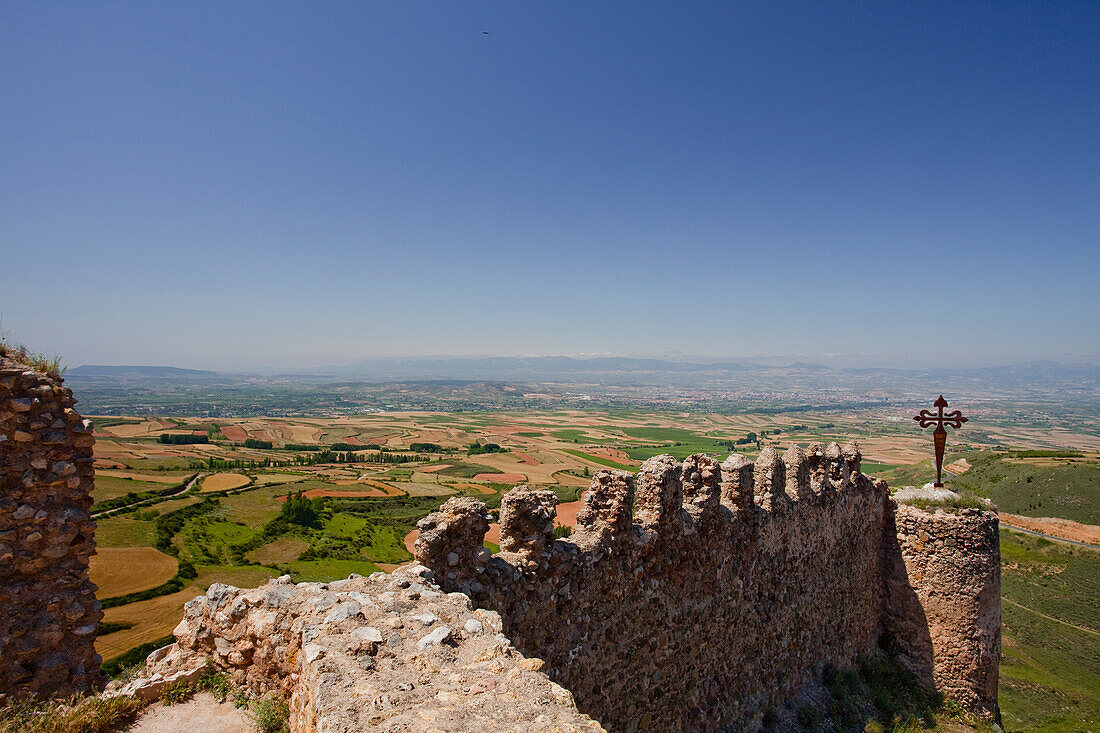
321, 498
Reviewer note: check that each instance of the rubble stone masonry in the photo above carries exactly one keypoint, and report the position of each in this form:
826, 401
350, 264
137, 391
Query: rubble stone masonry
700, 595
48, 608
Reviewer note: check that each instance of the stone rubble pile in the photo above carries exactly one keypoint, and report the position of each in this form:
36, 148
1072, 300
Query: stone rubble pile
390, 653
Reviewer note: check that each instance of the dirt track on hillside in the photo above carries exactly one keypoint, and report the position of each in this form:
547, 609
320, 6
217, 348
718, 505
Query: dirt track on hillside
1067, 529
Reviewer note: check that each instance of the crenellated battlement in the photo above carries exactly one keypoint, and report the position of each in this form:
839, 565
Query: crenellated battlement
695, 595
668, 497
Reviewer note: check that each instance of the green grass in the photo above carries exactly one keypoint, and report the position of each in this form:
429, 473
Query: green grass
531, 434
571, 435
1050, 668
241, 576
1067, 490
110, 422
678, 443
877, 468
599, 459
663, 434
110, 487
257, 507
206, 540
466, 470
123, 532
324, 571
48, 365
80, 715
387, 544
343, 524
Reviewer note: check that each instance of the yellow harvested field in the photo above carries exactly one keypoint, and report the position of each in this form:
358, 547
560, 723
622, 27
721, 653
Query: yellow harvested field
501, 478
152, 620
425, 489
155, 476
480, 488
121, 570
223, 482
390, 490
302, 433
269, 479
142, 429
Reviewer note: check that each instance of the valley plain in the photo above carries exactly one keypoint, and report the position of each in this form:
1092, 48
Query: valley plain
190, 501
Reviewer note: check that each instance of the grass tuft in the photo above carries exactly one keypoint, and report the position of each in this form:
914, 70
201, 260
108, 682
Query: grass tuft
74, 715
50, 366
271, 714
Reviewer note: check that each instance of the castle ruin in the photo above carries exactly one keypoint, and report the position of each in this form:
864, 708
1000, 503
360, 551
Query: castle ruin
701, 595
695, 596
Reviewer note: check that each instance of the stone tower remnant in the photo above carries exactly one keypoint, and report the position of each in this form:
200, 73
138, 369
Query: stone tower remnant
48, 608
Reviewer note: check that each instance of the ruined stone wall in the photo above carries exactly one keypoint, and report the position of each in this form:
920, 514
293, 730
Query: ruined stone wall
48, 609
944, 601
702, 594
725, 591
389, 653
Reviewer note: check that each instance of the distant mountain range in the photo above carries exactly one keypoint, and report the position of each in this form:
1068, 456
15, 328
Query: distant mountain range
541, 382
625, 371
97, 370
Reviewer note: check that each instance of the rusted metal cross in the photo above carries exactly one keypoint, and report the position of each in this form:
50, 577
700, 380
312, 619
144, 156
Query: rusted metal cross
939, 435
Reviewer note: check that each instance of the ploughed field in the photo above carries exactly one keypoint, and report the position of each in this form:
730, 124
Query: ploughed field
320, 498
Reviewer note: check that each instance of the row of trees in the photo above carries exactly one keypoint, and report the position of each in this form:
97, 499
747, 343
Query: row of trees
182, 438
309, 459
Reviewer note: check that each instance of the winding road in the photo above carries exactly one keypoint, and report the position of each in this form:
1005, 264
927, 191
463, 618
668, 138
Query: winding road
182, 489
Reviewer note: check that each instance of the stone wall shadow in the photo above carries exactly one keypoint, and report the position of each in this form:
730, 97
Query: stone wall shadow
905, 625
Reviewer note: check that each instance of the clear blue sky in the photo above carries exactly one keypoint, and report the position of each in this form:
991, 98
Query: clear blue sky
220, 184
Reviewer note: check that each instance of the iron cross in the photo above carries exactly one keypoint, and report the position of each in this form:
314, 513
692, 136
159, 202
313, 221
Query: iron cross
939, 436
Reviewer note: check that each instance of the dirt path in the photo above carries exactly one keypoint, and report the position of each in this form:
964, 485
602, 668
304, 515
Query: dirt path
200, 713
1085, 629
183, 489
1054, 528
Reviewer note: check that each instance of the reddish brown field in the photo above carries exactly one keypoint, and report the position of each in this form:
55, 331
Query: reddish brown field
526, 459
234, 432
1067, 529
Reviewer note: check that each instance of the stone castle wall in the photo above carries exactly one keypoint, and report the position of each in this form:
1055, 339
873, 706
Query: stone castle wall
700, 595
48, 608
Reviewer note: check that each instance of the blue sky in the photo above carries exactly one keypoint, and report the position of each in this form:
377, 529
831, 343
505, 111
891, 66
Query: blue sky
219, 185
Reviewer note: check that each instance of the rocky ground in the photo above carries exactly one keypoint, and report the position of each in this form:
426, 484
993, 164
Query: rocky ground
200, 713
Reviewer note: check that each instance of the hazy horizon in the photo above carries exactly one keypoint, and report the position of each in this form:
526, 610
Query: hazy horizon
838, 361
226, 187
